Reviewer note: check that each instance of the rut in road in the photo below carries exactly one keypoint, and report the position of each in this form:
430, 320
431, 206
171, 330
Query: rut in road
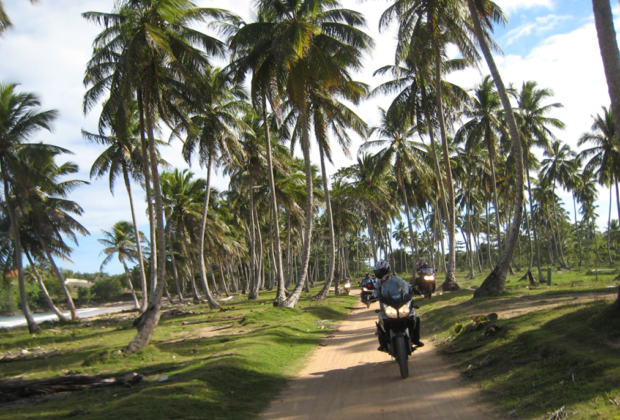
350, 379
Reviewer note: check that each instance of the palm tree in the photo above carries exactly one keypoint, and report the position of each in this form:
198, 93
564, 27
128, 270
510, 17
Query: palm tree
558, 167
485, 13
121, 241
19, 119
212, 130
305, 44
603, 158
149, 51
397, 131
604, 20
122, 157
48, 211
429, 26
485, 127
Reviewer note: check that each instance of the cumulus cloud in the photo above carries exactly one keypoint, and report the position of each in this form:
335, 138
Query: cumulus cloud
539, 27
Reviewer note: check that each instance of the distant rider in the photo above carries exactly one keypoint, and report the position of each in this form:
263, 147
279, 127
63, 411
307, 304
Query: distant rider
382, 273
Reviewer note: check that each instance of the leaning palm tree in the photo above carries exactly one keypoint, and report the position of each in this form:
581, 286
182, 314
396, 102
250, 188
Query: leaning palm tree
485, 13
19, 119
49, 212
608, 43
121, 241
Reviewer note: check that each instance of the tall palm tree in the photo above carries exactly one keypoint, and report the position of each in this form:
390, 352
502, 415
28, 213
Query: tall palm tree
123, 156
149, 51
315, 43
212, 132
608, 44
396, 132
19, 119
122, 242
430, 26
485, 127
603, 158
559, 166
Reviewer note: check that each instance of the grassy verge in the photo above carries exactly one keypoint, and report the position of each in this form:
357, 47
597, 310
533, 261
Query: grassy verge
557, 346
228, 368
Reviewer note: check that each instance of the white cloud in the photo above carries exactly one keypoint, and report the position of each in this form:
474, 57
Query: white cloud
511, 6
540, 26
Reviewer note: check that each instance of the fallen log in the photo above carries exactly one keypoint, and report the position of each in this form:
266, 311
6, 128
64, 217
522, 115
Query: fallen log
14, 389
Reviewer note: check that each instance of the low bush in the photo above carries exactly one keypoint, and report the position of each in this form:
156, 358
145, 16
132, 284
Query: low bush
107, 289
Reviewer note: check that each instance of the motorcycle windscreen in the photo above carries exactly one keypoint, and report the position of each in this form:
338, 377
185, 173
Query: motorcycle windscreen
394, 289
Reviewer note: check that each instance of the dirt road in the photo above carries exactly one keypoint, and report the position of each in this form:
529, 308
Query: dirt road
350, 379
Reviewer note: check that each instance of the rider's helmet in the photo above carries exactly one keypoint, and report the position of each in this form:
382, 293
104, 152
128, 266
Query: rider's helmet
382, 269
367, 275
420, 265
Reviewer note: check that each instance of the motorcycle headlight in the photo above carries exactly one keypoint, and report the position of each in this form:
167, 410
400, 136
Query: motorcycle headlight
391, 312
347, 285
429, 277
365, 290
404, 310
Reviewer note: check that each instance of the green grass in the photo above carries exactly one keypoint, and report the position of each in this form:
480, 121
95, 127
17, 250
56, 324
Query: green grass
248, 363
568, 325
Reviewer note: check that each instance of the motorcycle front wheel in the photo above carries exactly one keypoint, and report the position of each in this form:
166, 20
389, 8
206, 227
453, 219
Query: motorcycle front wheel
401, 356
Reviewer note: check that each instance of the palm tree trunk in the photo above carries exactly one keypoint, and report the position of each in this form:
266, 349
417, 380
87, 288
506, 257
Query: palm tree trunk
133, 293
371, 234
33, 327
150, 318
144, 301
495, 283
330, 222
608, 45
413, 243
203, 229
254, 269
289, 269
174, 264
279, 272
557, 225
487, 137
536, 238
61, 280
611, 197
146, 169
48, 298
449, 283
307, 239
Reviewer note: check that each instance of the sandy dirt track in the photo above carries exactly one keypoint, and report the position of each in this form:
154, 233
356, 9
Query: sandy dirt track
350, 379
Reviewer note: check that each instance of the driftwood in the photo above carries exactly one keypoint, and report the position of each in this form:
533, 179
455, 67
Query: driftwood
14, 389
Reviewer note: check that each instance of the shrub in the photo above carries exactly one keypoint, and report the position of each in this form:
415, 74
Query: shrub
84, 295
107, 289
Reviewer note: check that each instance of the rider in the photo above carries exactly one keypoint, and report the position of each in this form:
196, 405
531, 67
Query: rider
420, 265
367, 279
382, 273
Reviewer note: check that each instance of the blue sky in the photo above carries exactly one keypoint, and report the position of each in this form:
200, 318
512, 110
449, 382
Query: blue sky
550, 41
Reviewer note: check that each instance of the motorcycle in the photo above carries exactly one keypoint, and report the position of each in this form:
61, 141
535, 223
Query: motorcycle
366, 294
347, 287
426, 281
397, 317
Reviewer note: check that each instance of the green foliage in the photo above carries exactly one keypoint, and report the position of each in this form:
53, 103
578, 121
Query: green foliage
107, 289
84, 295
9, 298
53, 288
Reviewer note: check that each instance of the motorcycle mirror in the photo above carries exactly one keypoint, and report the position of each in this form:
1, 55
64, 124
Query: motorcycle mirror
416, 306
